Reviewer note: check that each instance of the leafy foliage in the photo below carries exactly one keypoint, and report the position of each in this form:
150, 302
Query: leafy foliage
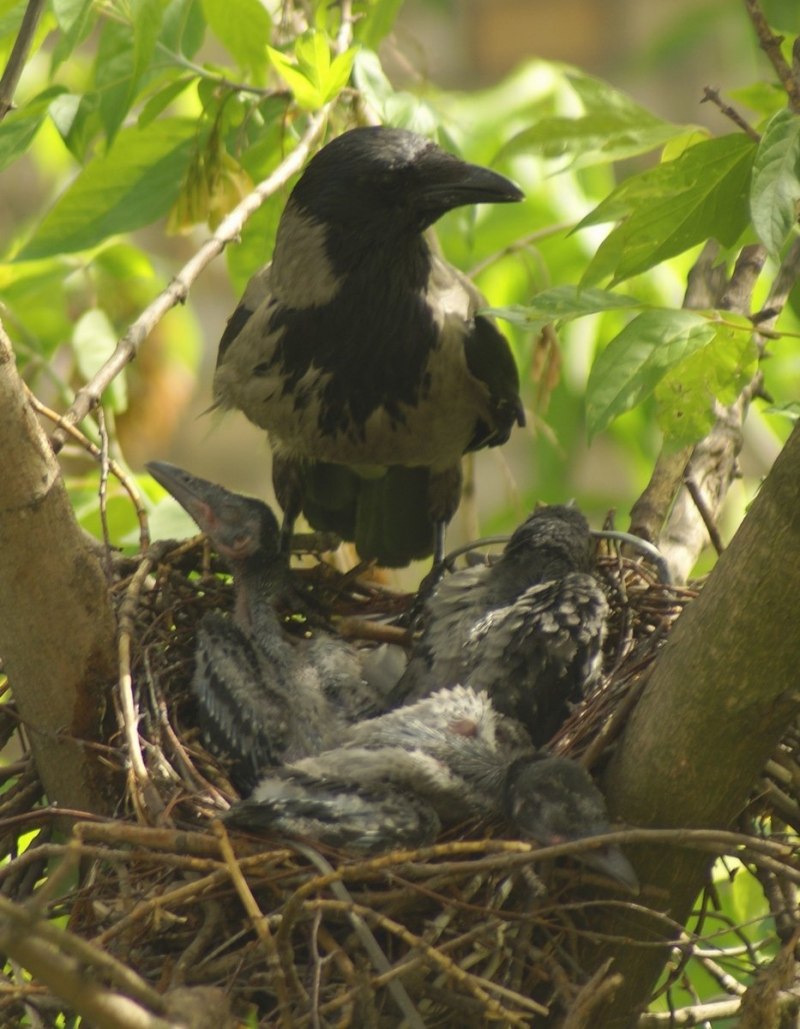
168, 111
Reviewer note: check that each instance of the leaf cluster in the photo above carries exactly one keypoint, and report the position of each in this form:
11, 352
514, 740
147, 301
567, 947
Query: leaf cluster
146, 111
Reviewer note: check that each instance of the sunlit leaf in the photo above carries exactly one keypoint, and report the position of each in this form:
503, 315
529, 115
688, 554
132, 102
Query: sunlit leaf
305, 92
614, 127
563, 303
132, 185
243, 27
701, 195
19, 127
719, 371
162, 99
183, 27
636, 360
75, 18
775, 191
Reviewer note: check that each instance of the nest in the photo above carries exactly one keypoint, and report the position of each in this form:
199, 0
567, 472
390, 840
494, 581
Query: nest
170, 910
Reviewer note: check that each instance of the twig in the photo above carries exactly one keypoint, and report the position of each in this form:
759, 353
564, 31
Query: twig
260, 924
103, 488
771, 45
446, 964
376, 955
519, 244
712, 95
705, 513
88, 397
59, 958
144, 793
82, 440
19, 55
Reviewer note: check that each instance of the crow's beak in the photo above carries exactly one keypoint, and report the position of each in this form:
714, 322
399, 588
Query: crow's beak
612, 862
456, 183
197, 496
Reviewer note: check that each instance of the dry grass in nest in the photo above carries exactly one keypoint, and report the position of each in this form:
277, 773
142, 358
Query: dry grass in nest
473, 930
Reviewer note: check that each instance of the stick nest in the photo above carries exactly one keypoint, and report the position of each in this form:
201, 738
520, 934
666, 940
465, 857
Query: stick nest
473, 930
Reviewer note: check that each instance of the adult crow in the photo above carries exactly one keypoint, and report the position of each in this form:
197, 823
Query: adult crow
363, 353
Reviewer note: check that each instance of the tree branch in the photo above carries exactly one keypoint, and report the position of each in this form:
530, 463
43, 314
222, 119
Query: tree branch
19, 55
57, 628
771, 45
718, 700
88, 397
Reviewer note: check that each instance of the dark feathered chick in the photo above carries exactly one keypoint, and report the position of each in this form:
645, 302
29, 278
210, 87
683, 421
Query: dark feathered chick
451, 755
527, 629
263, 697
362, 352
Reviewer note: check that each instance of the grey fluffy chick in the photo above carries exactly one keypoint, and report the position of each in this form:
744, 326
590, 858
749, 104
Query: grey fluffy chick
528, 629
395, 780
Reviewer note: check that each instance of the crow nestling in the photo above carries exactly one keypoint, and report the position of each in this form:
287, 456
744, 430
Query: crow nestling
263, 697
363, 353
394, 780
527, 629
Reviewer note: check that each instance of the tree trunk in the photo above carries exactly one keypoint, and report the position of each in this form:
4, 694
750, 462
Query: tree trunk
57, 628
717, 703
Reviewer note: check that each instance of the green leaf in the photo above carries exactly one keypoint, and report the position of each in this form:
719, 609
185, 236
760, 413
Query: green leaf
669, 209
243, 27
132, 185
305, 92
19, 127
76, 19
163, 98
636, 360
113, 75
378, 23
789, 409
718, 371
146, 16
183, 27
339, 75
561, 304
775, 189
613, 128
124, 57
93, 342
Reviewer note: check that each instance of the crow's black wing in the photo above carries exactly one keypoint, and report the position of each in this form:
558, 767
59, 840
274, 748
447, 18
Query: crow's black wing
540, 653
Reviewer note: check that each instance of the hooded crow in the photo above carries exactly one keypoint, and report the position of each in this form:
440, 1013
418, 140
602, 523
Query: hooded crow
364, 354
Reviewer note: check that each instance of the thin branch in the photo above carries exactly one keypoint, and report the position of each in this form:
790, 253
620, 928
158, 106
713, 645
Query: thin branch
376, 955
711, 95
124, 478
59, 959
88, 397
19, 55
259, 922
705, 513
144, 793
771, 45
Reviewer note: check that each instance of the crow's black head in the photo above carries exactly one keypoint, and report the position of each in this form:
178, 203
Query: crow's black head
392, 178
557, 537
553, 800
238, 526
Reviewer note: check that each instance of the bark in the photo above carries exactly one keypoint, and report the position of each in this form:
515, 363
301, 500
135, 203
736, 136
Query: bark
57, 628
716, 705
